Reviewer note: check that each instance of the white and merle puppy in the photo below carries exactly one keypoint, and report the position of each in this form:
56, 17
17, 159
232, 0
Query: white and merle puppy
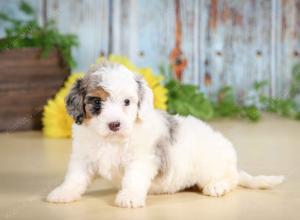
119, 135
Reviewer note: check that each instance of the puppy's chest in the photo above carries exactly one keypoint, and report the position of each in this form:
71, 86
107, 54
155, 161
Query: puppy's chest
110, 161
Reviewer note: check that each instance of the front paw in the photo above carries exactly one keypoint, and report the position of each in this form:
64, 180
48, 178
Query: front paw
63, 195
130, 199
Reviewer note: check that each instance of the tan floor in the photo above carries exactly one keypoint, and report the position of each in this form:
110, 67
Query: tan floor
31, 165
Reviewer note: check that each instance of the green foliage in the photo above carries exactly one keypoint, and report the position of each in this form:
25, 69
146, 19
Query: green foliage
23, 34
259, 85
27, 9
227, 106
298, 116
295, 84
283, 107
185, 99
251, 112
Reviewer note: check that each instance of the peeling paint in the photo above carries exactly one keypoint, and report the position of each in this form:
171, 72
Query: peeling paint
225, 14
177, 58
213, 14
237, 17
207, 79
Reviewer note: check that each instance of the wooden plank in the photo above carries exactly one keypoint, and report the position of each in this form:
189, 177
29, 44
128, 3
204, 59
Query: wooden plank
202, 81
255, 47
21, 122
50, 84
145, 32
22, 110
288, 43
33, 76
262, 52
238, 44
142, 30
89, 21
30, 68
8, 57
46, 84
32, 53
26, 85
190, 20
34, 73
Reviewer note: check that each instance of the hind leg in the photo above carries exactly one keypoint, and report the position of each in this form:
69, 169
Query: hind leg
216, 188
219, 187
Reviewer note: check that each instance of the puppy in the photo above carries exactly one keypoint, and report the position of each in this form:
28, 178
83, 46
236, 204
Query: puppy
119, 135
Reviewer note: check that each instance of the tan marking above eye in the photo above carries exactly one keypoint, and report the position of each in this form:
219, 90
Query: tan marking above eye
99, 92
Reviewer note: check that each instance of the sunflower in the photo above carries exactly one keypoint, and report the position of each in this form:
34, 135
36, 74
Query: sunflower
56, 121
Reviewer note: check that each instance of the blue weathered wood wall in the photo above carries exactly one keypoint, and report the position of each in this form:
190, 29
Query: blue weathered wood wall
224, 42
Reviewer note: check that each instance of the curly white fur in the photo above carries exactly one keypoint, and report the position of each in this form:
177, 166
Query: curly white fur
152, 152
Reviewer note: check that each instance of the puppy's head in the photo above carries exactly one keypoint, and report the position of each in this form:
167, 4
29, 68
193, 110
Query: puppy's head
110, 99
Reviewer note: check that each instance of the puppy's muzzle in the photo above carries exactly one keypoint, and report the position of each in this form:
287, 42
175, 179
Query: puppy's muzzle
114, 126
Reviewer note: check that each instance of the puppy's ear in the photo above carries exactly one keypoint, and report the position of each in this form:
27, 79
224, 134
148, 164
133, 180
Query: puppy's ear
145, 97
75, 101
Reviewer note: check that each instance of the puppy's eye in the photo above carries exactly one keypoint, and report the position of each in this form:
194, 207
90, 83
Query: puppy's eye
127, 102
97, 101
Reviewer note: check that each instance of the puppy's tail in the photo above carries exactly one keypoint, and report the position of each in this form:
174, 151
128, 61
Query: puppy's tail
258, 182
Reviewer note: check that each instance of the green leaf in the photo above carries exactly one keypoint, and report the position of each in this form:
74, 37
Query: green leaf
295, 81
252, 113
298, 116
258, 85
26, 8
187, 100
226, 105
4, 17
29, 33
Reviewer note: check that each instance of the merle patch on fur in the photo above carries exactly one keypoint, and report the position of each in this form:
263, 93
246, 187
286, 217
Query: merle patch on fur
166, 140
74, 101
161, 151
141, 91
172, 125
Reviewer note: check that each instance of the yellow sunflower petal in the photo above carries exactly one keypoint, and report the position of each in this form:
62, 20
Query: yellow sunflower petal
56, 121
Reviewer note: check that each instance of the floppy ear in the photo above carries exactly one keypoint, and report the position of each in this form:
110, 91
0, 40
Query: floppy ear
75, 101
145, 98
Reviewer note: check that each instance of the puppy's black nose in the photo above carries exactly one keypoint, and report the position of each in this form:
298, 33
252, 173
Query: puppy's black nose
114, 126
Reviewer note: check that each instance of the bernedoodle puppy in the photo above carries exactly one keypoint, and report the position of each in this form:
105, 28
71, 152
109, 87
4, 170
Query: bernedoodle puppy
119, 135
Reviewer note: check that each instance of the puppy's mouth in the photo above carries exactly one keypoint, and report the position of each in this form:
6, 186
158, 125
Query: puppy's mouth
120, 134
117, 136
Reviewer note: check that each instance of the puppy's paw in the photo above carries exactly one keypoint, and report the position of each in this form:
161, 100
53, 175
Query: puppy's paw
129, 199
63, 195
216, 189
